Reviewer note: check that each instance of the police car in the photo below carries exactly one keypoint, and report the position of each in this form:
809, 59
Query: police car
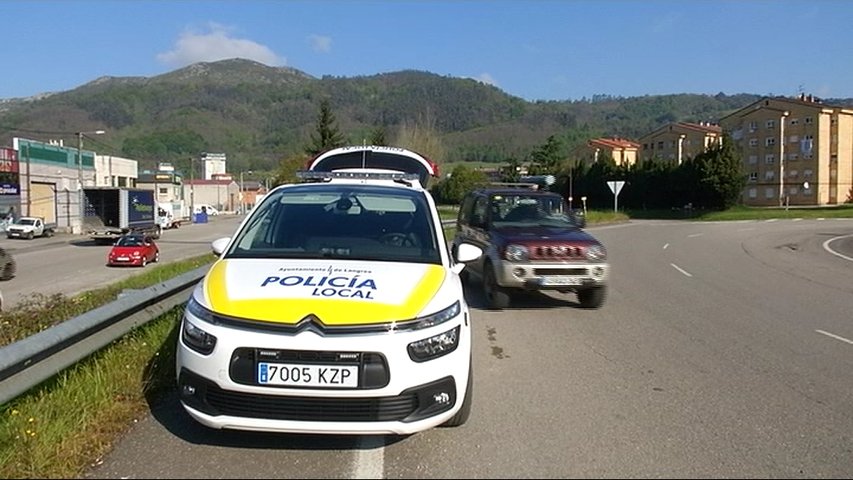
335, 308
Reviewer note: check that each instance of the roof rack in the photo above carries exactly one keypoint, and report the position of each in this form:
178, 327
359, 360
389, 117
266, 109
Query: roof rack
531, 186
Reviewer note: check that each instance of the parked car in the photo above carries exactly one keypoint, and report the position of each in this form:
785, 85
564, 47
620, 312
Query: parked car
29, 228
135, 250
532, 241
334, 308
8, 267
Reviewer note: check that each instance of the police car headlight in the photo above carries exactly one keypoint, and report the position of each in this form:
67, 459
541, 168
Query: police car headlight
516, 253
596, 253
192, 335
197, 339
434, 346
439, 317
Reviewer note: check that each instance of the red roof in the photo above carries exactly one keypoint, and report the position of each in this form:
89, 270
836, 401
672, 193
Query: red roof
614, 143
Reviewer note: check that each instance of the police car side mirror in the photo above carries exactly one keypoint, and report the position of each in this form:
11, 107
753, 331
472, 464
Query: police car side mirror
219, 245
466, 252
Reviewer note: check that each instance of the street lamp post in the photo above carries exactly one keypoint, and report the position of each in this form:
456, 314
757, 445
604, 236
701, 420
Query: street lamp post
80, 170
192, 190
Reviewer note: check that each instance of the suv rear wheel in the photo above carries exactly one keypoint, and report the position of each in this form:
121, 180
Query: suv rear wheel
496, 296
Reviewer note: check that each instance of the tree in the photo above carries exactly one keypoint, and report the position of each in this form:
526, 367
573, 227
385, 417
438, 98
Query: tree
287, 168
720, 176
377, 137
462, 180
547, 157
327, 135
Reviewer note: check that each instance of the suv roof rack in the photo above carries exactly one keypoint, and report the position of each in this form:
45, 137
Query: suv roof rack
531, 186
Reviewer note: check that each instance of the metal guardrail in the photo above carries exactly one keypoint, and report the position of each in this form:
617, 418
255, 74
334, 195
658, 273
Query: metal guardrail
28, 362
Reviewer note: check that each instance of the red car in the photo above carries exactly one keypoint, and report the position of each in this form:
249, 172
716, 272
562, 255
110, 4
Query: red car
136, 250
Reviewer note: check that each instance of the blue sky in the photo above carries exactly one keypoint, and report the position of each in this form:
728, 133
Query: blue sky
533, 49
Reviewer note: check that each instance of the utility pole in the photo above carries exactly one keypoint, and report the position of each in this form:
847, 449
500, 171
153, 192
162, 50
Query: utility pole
80, 201
192, 189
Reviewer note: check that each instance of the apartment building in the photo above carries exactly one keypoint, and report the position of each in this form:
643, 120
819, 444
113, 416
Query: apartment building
622, 151
679, 141
795, 151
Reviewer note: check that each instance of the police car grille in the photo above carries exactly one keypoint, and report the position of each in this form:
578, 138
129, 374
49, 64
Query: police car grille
314, 409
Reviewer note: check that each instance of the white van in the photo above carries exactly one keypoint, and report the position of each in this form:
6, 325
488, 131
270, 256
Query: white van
210, 209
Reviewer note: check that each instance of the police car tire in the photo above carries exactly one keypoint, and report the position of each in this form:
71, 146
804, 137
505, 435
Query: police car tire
465, 412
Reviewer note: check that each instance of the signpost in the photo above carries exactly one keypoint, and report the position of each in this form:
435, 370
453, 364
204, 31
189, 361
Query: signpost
616, 187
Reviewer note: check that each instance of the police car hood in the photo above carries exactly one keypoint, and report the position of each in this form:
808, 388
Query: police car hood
338, 293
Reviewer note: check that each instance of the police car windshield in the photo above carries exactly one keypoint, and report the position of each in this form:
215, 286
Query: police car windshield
340, 220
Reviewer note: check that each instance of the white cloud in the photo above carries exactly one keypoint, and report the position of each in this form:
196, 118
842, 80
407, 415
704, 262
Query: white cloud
217, 43
487, 79
320, 43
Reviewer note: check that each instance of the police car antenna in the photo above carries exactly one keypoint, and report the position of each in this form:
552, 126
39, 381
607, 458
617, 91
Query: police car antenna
364, 153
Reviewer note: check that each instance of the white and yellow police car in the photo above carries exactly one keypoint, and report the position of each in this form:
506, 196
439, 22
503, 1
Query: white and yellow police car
335, 308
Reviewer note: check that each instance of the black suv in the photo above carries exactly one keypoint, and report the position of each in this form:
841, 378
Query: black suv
532, 241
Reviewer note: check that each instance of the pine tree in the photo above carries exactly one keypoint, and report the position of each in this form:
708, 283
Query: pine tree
327, 135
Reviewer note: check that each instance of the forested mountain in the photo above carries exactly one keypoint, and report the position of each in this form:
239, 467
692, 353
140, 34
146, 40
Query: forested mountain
258, 115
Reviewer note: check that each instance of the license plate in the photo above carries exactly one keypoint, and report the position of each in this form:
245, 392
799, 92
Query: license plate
308, 375
561, 281
122, 259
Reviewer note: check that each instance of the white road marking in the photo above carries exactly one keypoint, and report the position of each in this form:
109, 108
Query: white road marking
680, 269
665, 246
370, 457
835, 336
830, 250
695, 235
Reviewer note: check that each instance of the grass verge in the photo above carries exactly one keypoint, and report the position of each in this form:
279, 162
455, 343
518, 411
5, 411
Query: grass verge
40, 436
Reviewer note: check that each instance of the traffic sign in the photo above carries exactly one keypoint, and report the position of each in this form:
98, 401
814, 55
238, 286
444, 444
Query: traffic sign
615, 187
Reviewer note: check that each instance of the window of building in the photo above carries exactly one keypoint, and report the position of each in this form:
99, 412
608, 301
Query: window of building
769, 175
752, 192
753, 159
793, 156
769, 159
660, 145
793, 139
163, 191
769, 192
792, 173
770, 124
807, 173
794, 121
807, 191
753, 126
737, 134
769, 141
806, 144
753, 176
793, 190
753, 142
808, 120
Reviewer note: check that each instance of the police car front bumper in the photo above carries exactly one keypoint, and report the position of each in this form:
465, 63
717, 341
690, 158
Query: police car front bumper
394, 394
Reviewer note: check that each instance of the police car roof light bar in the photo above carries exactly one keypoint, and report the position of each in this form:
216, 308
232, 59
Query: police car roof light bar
314, 175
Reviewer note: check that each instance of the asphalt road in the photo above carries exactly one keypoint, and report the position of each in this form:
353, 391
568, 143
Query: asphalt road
724, 350
71, 264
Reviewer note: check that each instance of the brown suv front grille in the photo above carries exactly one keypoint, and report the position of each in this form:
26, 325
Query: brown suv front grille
557, 252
